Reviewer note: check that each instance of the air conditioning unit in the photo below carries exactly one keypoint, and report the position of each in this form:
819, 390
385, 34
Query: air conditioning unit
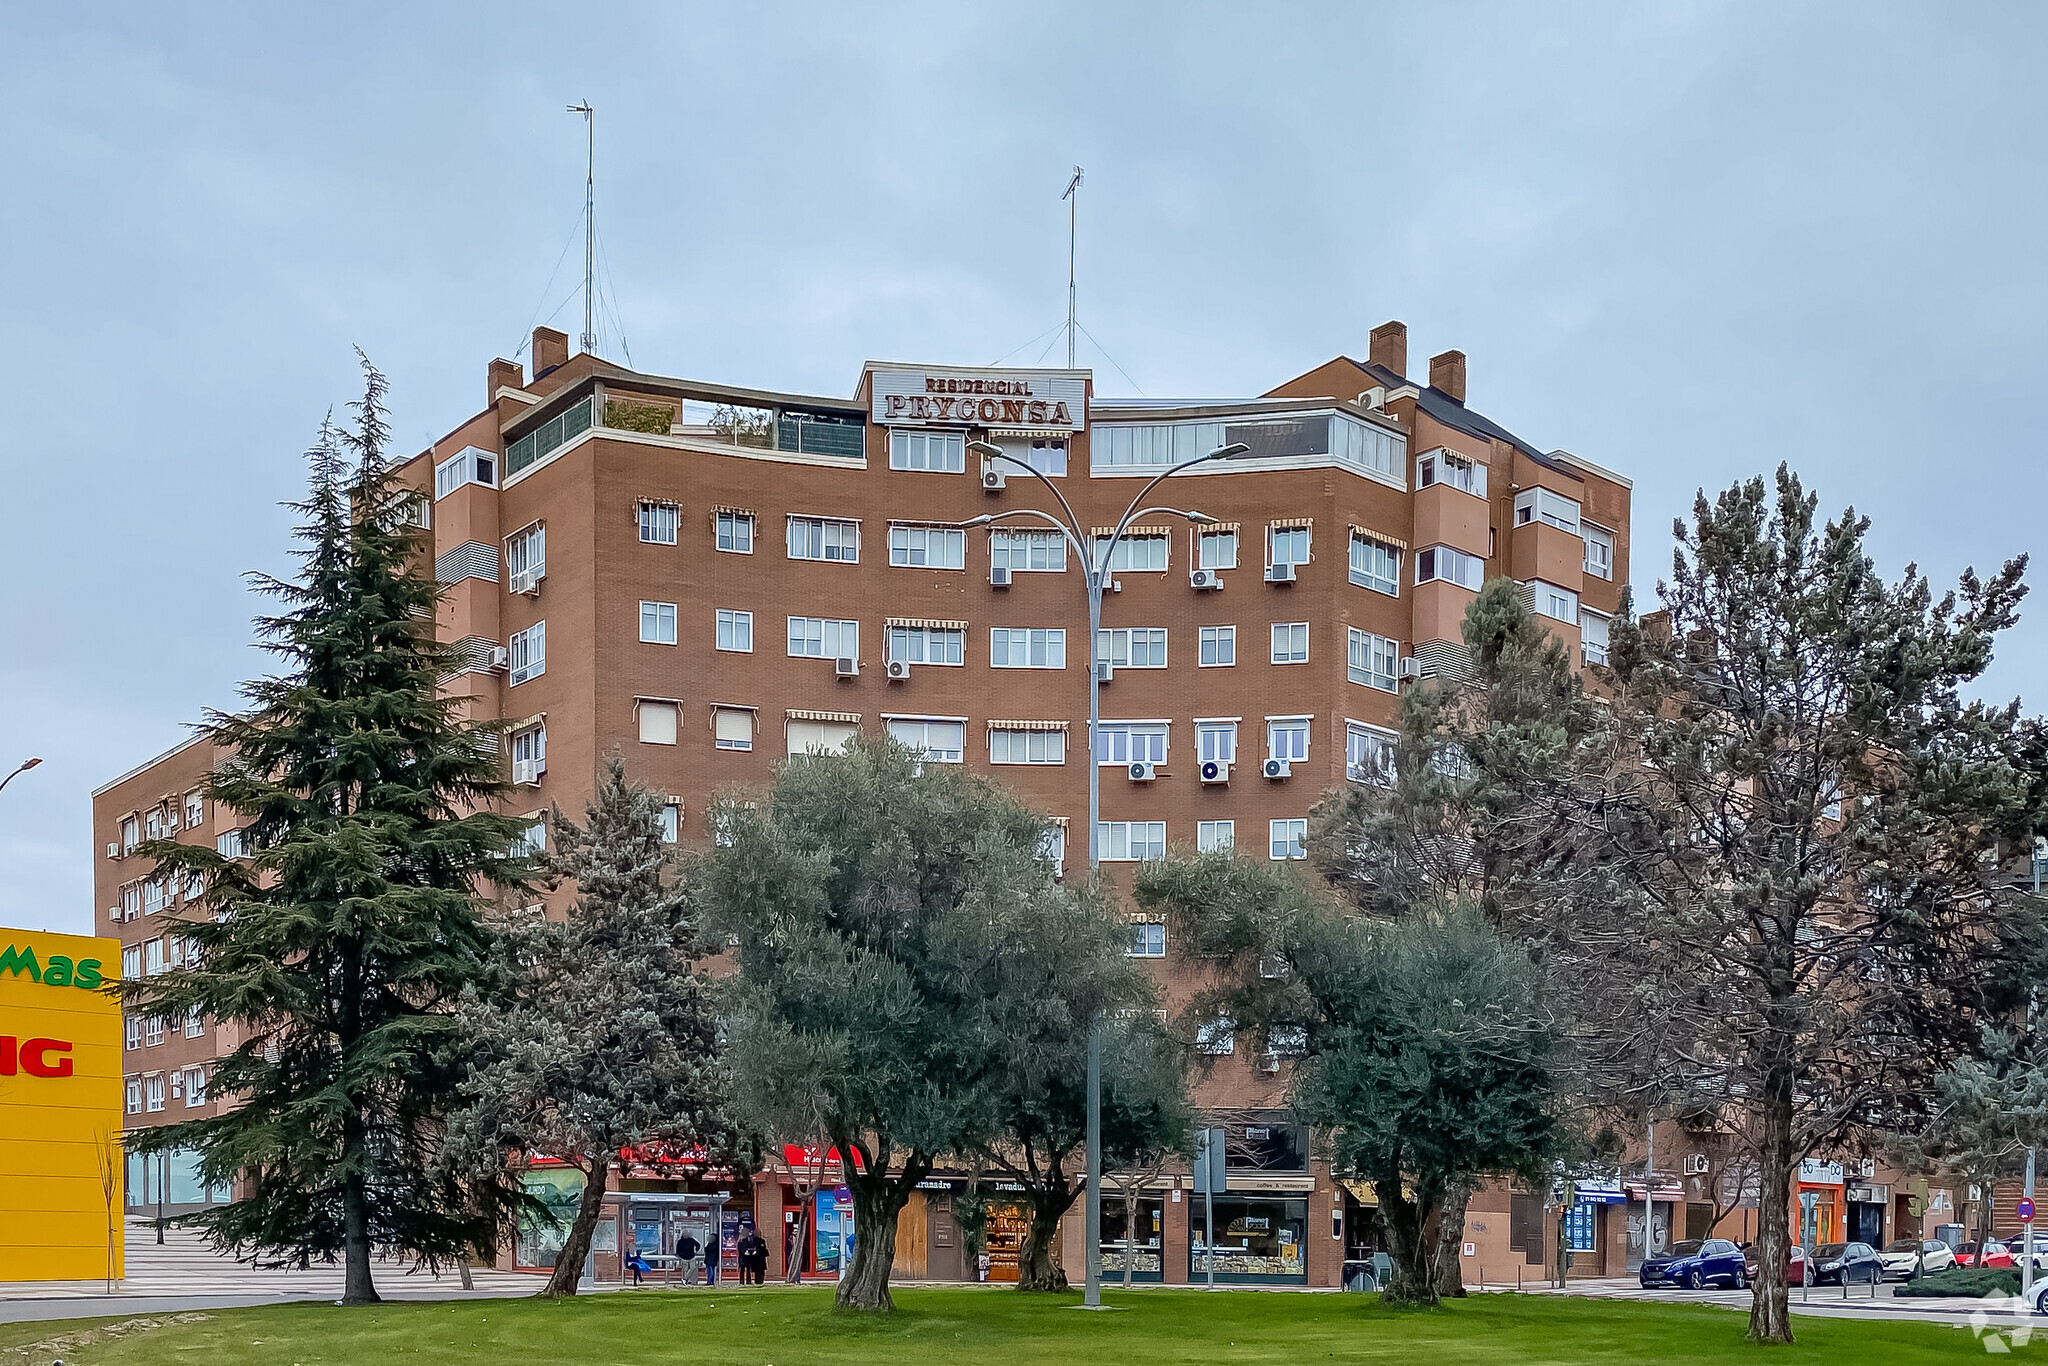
847, 668
1866, 1169
114, 913
527, 584
1104, 671
114, 849
501, 657
1277, 769
1202, 579
1143, 773
1410, 667
1059, 871
999, 575
1215, 771
1280, 573
992, 479
1696, 1164
898, 670
1269, 1061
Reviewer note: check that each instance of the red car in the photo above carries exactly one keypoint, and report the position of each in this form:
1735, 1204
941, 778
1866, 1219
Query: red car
1797, 1271
1992, 1255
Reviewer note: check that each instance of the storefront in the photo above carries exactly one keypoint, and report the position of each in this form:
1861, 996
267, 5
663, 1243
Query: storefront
1146, 1243
1819, 1212
1667, 1205
1868, 1204
1257, 1240
1586, 1227
1009, 1219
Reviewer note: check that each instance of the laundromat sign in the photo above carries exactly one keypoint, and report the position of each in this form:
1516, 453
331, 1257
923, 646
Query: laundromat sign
1021, 400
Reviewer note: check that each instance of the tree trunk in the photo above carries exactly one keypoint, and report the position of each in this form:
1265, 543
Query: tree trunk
796, 1245
355, 1243
576, 1247
1770, 1317
1450, 1239
1131, 1235
1413, 1280
1037, 1268
877, 1201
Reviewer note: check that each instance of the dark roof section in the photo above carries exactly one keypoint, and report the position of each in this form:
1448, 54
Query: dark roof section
1447, 410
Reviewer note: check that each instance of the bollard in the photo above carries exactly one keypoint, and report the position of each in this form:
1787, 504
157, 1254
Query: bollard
1518, 1280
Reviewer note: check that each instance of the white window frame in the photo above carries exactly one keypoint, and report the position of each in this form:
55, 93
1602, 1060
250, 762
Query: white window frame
1115, 646
1042, 647
938, 646
1465, 570
1372, 660
728, 529
1446, 467
1590, 651
836, 637
133, 1091
1293, 829
657, 623
1018, 743
131, 962
1290, 726
1363, 746
1124, 556
660, 521
734, 744
909, 540
1216, 1038
1552, 509
195, 1024
729, 626
1046, 454
643, 707
526, 557
1276, 535
929, 452
916, 732
1215, 835
529, 753
1212, 644
671, 822
1148, 939
1215, 549
1549, 600
195, 1087
1116, 839
1367, 552
467, 466
153, 1092
837, 538
1216, 740
1028, 552
1290, 642
195, 810
1600, 538
131, 1033
528, 652
1121, 743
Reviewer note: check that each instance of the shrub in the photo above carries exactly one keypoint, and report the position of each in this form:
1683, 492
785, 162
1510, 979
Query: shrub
1976, 1282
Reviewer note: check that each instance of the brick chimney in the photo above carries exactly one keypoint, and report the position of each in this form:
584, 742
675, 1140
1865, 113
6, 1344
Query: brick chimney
1389, 347
550, 349
504, 374
1447, 372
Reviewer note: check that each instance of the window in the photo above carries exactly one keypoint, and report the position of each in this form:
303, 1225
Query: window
526, 558
153, 897
1216, 550
671, 821
195, 1087
152, 1031
131, 962
1286, 839
131, 901
940, 452
1559, 604
657, 623
1216, 742
1130, 742
658, 721
194, 1025
819, 737
1052, 846
1012, 745
927, 644
1290, 642
195, 809
1446, 467
1287, 738
658, 523
941, 742
1153, 444
153, 825
1018, 647
1593, 636
131, 833
153, 1092
1028, 552
1375, 565
927, 547
1131, 841
1830, 796
134, 1095
1451, 566
1214, 835
229, 845
529, 653
823, 638
1371, 660
1148, 940
132, 1028
469, 466
735, 630
824, 538
1541, 505
1047, 455
1367, 447
195, 886
1218, 647
1136, 553
1368, 755
1217, 1037
529, 754
152, 957
1138, 647
735, 532
732, 728
531, 841
1599, 551
1287, 545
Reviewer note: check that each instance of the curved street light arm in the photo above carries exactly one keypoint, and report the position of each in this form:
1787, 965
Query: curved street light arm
991, 451
990, 518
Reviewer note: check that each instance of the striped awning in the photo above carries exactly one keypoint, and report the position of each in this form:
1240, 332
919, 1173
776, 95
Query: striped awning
717, 508
1028, 725
1131, 531
844, 718
1216, 526
1382, 537
1287, 523
928, 623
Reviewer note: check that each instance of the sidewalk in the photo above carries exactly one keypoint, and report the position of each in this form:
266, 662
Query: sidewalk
1825, 1301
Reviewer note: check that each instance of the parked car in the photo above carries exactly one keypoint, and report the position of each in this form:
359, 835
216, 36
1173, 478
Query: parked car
1697, 1262
1990, 1254
1839, 1263
1910, 1257
1798, 1271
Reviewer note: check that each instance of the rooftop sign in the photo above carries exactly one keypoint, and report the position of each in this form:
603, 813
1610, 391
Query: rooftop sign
1022, 400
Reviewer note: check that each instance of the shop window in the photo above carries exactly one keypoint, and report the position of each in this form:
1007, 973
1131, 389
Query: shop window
1266, 1144
1143, 1223
1255, 1240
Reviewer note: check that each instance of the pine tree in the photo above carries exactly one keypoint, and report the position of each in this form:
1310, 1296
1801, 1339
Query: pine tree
609, 1040
341, 942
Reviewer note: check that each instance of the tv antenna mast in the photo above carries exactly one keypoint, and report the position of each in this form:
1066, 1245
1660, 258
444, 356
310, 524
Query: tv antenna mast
1073, 198
589, 339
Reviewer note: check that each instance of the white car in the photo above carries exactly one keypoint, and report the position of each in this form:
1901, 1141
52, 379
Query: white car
1910, 1257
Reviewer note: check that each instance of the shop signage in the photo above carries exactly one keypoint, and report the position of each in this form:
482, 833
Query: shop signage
1019, 399
57, 970
35, 1057
1815, 1172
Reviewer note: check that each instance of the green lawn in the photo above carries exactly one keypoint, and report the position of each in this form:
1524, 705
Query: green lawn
947, 1327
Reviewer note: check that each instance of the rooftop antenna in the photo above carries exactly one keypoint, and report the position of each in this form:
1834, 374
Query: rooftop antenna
1073, 198
589, 339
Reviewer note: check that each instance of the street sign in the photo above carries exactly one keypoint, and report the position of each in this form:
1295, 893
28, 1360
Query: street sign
1209, 1159
2025, 1210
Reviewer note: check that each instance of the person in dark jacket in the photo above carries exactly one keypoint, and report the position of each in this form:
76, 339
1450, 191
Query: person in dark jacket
753, 1250
690, 1253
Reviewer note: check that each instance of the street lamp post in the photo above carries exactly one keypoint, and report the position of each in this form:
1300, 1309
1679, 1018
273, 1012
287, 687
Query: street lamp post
26, 765
1095, 557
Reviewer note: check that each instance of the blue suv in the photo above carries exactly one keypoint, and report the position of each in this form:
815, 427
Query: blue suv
1697, 1262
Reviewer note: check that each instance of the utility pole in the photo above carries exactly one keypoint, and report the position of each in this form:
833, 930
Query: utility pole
1649, 1195
1073, 198
589, 113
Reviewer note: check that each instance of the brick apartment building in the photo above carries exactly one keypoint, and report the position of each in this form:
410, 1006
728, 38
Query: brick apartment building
708, 579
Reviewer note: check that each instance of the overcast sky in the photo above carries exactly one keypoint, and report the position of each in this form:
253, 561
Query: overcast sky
1685, 241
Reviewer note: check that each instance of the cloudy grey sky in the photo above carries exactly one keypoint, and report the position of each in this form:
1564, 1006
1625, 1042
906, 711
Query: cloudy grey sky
1687, 241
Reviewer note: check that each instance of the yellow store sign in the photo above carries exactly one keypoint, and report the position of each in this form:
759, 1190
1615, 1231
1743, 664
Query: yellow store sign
61, 1200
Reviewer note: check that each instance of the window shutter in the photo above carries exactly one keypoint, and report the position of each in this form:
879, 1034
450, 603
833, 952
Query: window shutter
734, 725
657, 723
